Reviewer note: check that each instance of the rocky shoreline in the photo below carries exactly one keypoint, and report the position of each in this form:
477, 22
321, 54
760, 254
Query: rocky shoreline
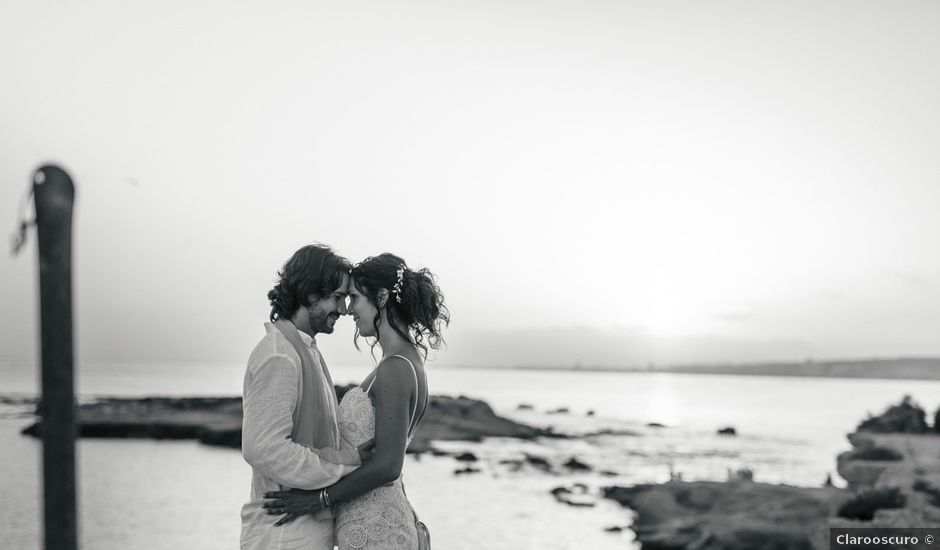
892, 471
893, 475
217, 420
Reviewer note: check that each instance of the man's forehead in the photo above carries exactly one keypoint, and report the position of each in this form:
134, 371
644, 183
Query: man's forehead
343, 287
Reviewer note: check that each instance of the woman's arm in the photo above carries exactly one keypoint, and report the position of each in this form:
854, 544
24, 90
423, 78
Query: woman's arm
392, 393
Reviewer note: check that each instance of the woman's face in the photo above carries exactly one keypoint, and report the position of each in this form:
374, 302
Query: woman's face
362, 310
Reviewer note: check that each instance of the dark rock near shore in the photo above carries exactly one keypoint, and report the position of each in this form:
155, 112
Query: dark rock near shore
727, 430
211, 420
887, 493
465, 419
931, 493
560, 410
524, 407
864, 505
576, 495
575, 464
466, 457
538, 462
906, 417
655, 425
734, 516
877, 454
217, 420
467, 470
18, 400
893, 481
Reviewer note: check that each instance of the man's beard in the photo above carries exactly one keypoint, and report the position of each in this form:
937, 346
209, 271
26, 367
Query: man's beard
320, 321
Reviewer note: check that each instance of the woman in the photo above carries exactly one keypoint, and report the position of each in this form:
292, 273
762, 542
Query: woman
403, 312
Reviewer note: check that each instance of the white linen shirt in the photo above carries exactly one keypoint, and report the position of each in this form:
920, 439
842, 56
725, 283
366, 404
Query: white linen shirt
272, 390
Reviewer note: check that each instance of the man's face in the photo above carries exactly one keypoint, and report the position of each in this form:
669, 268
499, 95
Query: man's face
323, 313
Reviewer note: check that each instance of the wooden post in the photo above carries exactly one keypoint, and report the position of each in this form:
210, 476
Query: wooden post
54, 195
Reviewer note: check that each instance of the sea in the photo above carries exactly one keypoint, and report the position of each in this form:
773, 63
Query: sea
633, 428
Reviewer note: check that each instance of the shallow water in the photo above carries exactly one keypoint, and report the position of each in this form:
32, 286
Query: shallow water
154, 494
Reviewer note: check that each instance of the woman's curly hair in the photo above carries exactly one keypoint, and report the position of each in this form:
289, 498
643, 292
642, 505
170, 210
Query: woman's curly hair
417, 303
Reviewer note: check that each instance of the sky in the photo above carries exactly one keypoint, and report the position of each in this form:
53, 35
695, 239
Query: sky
609, 183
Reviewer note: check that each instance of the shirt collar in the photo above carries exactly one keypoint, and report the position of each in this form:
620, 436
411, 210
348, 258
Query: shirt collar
308, 340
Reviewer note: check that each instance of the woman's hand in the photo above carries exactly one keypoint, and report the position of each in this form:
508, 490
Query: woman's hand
292, 503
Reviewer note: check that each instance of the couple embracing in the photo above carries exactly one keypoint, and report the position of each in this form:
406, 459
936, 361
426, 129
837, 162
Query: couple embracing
327, 473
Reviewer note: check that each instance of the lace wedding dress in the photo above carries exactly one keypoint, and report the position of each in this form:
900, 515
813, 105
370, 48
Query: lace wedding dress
383, 518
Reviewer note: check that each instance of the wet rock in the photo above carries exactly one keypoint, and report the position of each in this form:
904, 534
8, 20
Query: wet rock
613, 529
742, 514
217, 420
931, 493
514, 465
17, 400
864, 505
882, 454
465, 419
576, 496
213, 421
559, 410
655, 425
524, 407
466, 457
739, 516
590, 412
727, 430
579, 503
538, 462
467, 470
575, 464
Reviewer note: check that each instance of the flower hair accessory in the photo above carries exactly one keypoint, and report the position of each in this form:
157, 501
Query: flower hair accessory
396, 290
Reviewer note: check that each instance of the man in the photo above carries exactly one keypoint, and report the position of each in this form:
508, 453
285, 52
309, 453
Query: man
290, 435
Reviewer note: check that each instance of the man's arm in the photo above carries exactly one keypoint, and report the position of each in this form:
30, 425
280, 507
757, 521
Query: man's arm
392, 391
270, 396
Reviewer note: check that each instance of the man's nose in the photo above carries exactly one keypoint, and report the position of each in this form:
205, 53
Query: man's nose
342, 307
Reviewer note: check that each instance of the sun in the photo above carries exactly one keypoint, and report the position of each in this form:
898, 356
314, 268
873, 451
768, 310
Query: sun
670, 315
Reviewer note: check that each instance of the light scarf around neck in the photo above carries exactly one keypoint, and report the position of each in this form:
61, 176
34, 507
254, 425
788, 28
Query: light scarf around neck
315, 417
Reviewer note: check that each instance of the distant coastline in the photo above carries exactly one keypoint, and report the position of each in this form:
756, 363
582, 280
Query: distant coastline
919, 368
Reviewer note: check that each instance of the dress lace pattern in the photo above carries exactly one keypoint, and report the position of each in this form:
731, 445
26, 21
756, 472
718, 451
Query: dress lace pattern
381, 519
